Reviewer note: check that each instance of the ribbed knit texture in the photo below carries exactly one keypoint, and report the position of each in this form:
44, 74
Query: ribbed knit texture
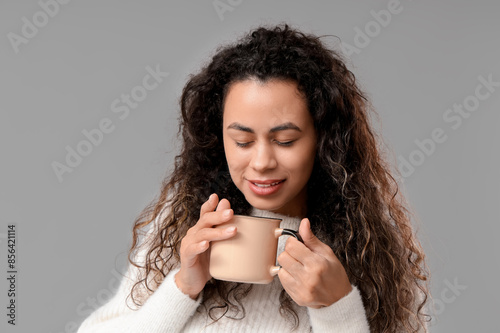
169, 310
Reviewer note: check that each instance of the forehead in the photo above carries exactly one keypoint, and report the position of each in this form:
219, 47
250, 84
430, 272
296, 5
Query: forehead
272, 101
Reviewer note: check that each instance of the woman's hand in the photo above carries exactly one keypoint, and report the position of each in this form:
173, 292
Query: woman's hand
311, 273
195, 258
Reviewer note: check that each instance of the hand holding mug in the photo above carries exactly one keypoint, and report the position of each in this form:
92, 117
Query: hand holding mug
311, 273
194, 274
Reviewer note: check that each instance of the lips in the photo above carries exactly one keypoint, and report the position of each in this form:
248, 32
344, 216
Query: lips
265, 187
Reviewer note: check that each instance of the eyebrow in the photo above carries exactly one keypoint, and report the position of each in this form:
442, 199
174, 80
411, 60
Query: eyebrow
282, 127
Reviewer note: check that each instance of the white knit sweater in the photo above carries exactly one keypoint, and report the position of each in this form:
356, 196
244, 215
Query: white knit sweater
169, 310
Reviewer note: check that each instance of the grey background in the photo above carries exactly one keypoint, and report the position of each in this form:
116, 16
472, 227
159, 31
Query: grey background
73, 235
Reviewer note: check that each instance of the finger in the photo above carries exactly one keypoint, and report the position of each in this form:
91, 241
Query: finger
211, 219
289, 263
288, 281
285, 277
297, 250
210, 204
192, 251
223, 204
214, 234
311, 241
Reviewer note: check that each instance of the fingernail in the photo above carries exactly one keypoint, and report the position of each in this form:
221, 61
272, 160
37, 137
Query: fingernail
230, 230
226, 213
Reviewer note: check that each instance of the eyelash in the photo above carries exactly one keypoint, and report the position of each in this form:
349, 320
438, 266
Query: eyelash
242, 144
279, 143
285, 144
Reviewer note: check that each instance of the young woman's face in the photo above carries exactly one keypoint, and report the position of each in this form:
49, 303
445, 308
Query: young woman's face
270, 144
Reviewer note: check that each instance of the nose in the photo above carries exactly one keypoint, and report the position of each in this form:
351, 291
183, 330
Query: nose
263, 157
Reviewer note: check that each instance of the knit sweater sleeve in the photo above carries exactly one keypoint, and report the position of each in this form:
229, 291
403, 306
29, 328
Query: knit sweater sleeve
347, 315
166, 310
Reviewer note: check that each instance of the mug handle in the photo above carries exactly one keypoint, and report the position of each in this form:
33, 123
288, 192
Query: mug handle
293, 233
284, 232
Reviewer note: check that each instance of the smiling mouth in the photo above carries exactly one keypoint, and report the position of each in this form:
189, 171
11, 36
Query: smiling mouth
265, 187
266, 183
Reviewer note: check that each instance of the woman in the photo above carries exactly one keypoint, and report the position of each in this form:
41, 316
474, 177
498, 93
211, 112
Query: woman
277, 127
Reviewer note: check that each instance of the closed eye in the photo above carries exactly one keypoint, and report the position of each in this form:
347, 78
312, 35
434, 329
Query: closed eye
279, 143
242, 144
284, 143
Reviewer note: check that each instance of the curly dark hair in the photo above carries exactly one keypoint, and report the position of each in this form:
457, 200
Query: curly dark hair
364, 219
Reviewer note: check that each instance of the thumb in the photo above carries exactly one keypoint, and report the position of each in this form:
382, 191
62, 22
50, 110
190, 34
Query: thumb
310, 240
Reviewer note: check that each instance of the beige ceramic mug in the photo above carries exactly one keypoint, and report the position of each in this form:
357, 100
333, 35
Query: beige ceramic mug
249, 256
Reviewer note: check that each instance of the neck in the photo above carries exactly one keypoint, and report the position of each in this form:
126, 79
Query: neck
293, 211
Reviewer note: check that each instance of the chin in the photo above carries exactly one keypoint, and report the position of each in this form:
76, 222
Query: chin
264, 204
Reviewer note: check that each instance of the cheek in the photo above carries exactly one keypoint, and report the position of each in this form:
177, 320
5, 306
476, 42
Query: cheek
301, 166
228, 153
235, 161
301, 157
301, 163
